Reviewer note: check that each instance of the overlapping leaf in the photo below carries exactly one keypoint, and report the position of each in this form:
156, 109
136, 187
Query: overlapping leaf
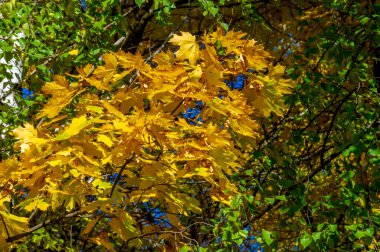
142, 132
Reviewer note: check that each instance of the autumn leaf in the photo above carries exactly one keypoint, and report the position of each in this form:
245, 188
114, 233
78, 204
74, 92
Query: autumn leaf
57, 103
39, 204
27, 136
230, 40
188, 47
56, 87
74, 52
105, 139
74, 128
3, 244
103, 242
15, 224
183, 124
243, 128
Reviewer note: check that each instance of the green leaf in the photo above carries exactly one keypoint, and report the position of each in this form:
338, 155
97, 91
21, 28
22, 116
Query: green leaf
243, 233
281, 197
320, 226
369, 232
139, 2
270, 200
222, 250
225, 26
316, 236
360, 234
284, 209
306, 240
185, 249
333, 227
267, 236
374, 152
364, 20
352, 227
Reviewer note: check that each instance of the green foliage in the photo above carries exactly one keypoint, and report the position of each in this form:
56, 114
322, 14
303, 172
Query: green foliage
230, 230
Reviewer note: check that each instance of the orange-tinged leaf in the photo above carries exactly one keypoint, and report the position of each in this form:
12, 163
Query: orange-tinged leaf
90, 226
123, 226
3, 244
102, 242
188, 47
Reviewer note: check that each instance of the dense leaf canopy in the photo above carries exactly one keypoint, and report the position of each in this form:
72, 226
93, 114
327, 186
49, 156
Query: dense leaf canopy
191, 126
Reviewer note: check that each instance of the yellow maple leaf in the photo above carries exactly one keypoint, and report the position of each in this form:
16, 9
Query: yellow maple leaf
213, 77
102, 242
255, 55
59, 85
90, 226
244, 127
40, 204
202, 171
74, 52
267, 91
3, 244
27, 135
122, 225
15, 224
188, 47
106, 71
231, 40
210, 56
74, 128
113, 110
105, 139
57, 103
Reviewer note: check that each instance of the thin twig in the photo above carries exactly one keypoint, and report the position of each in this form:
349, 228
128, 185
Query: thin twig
124, 15
132, 78
128, 161
5, 225
167, 39
43, 224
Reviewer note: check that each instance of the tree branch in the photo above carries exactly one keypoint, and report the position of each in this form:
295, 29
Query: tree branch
128, 161
43, 224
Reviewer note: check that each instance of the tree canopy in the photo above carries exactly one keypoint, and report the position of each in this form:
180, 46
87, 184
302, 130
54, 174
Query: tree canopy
191, 126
